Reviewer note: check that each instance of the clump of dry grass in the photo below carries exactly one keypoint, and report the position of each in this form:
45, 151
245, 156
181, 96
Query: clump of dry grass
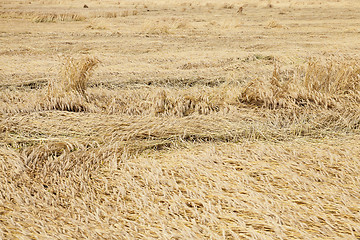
330, 84
43, 17
54, 17
75, 75
96, 27
274, 24
184, 105
228, 6
69, 91
102, 14
159, 101
127, 13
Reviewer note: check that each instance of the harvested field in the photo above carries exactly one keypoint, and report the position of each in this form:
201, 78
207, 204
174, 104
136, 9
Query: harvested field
179, 119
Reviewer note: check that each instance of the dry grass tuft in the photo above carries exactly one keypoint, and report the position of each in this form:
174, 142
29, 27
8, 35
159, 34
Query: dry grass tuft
76, 73
228, 6
127, 13
184, 105
105, 14
274, 24
69, 92
333, 84
54, 17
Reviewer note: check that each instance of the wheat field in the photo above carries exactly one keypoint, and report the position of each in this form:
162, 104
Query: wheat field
179, 119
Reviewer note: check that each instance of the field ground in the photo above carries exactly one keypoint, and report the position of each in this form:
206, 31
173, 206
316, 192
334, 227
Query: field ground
179, 119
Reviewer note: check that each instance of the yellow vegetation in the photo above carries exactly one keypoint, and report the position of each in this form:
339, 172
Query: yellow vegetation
199, 123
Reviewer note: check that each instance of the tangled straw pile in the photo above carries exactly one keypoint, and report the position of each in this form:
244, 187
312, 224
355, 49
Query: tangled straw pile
332, 84
271, 158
